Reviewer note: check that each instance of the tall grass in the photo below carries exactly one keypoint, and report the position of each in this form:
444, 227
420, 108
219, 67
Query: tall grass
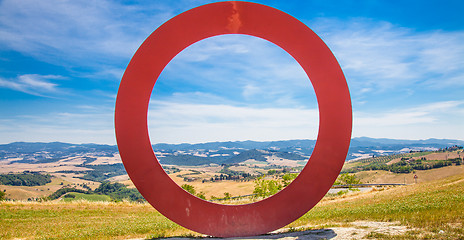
83, 220
434, 207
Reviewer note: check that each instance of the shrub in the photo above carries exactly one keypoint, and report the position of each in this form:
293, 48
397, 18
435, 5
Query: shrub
265, 188
60, 192
227, 196
288, 178
347, 178
119, 191
189, 188
201, 195
2, 195
69, 195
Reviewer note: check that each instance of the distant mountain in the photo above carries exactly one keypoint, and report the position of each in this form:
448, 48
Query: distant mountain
288, 144
365, 141
32, 147
187, 160
37, 152
364, 147
250, 154
220, 152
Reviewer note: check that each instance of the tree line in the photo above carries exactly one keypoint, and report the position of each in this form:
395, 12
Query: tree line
26, 178
406, 165
117, 191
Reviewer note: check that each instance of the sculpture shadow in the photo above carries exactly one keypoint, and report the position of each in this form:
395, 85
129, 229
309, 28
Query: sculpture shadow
306, 235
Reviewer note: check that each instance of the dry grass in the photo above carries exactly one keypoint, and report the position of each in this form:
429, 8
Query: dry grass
83, 220
380, 176
218, 189
107, 160
435, 210
68, 164
25, 192
443, 155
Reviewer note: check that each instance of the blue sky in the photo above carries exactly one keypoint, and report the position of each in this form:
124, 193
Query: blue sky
61, 63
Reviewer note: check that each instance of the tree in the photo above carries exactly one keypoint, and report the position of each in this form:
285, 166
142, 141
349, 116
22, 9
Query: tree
69, 195
108, 188
2, 195
272, 172
347, 178
288, 178
118, 191
189, 188
265, 188
201, 195
25, 179
227, 196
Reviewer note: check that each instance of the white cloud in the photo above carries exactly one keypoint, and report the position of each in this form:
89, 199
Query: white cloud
250, 90
385, 57
241, 68
434, 120
38, 82
70, 32
93, 125
184, 122
231, 87
34, 84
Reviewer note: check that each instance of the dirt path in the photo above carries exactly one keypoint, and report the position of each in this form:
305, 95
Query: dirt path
355, 230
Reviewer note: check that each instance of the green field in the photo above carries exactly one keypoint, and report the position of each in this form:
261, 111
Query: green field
433, 210
88, 197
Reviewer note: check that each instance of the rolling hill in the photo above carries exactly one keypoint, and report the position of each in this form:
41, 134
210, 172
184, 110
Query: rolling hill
216, 152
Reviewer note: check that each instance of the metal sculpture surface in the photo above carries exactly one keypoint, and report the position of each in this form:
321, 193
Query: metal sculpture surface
207, 21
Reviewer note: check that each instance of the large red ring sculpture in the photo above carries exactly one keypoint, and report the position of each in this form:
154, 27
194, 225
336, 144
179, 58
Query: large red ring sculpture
203, 22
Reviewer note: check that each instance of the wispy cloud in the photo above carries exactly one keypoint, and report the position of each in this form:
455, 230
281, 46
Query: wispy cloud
382, 56
439, 120
184, 122
240, 68
229, 87
70, 32
92, 125
33, 84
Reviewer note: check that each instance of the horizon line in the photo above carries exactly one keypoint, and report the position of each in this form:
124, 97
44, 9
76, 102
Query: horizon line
397, 139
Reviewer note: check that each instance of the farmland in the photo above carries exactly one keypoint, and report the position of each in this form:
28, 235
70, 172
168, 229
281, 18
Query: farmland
237, 179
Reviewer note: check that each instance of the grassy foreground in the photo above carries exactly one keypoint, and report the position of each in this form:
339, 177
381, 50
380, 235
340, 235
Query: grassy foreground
433, 210
84, 220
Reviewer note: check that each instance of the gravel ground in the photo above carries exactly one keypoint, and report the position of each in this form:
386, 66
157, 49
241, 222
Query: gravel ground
356, 230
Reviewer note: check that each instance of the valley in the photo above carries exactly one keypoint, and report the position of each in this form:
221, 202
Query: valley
218, 170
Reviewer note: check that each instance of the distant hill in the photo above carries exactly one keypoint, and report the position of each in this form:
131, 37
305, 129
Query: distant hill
31, 147
364, 146
220, 152
187, 160
432, 142
38, 152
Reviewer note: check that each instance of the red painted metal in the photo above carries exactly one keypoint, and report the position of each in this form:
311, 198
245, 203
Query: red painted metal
256, 20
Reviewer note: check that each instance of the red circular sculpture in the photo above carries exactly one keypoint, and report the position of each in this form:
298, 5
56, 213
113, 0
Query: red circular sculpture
207, 21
